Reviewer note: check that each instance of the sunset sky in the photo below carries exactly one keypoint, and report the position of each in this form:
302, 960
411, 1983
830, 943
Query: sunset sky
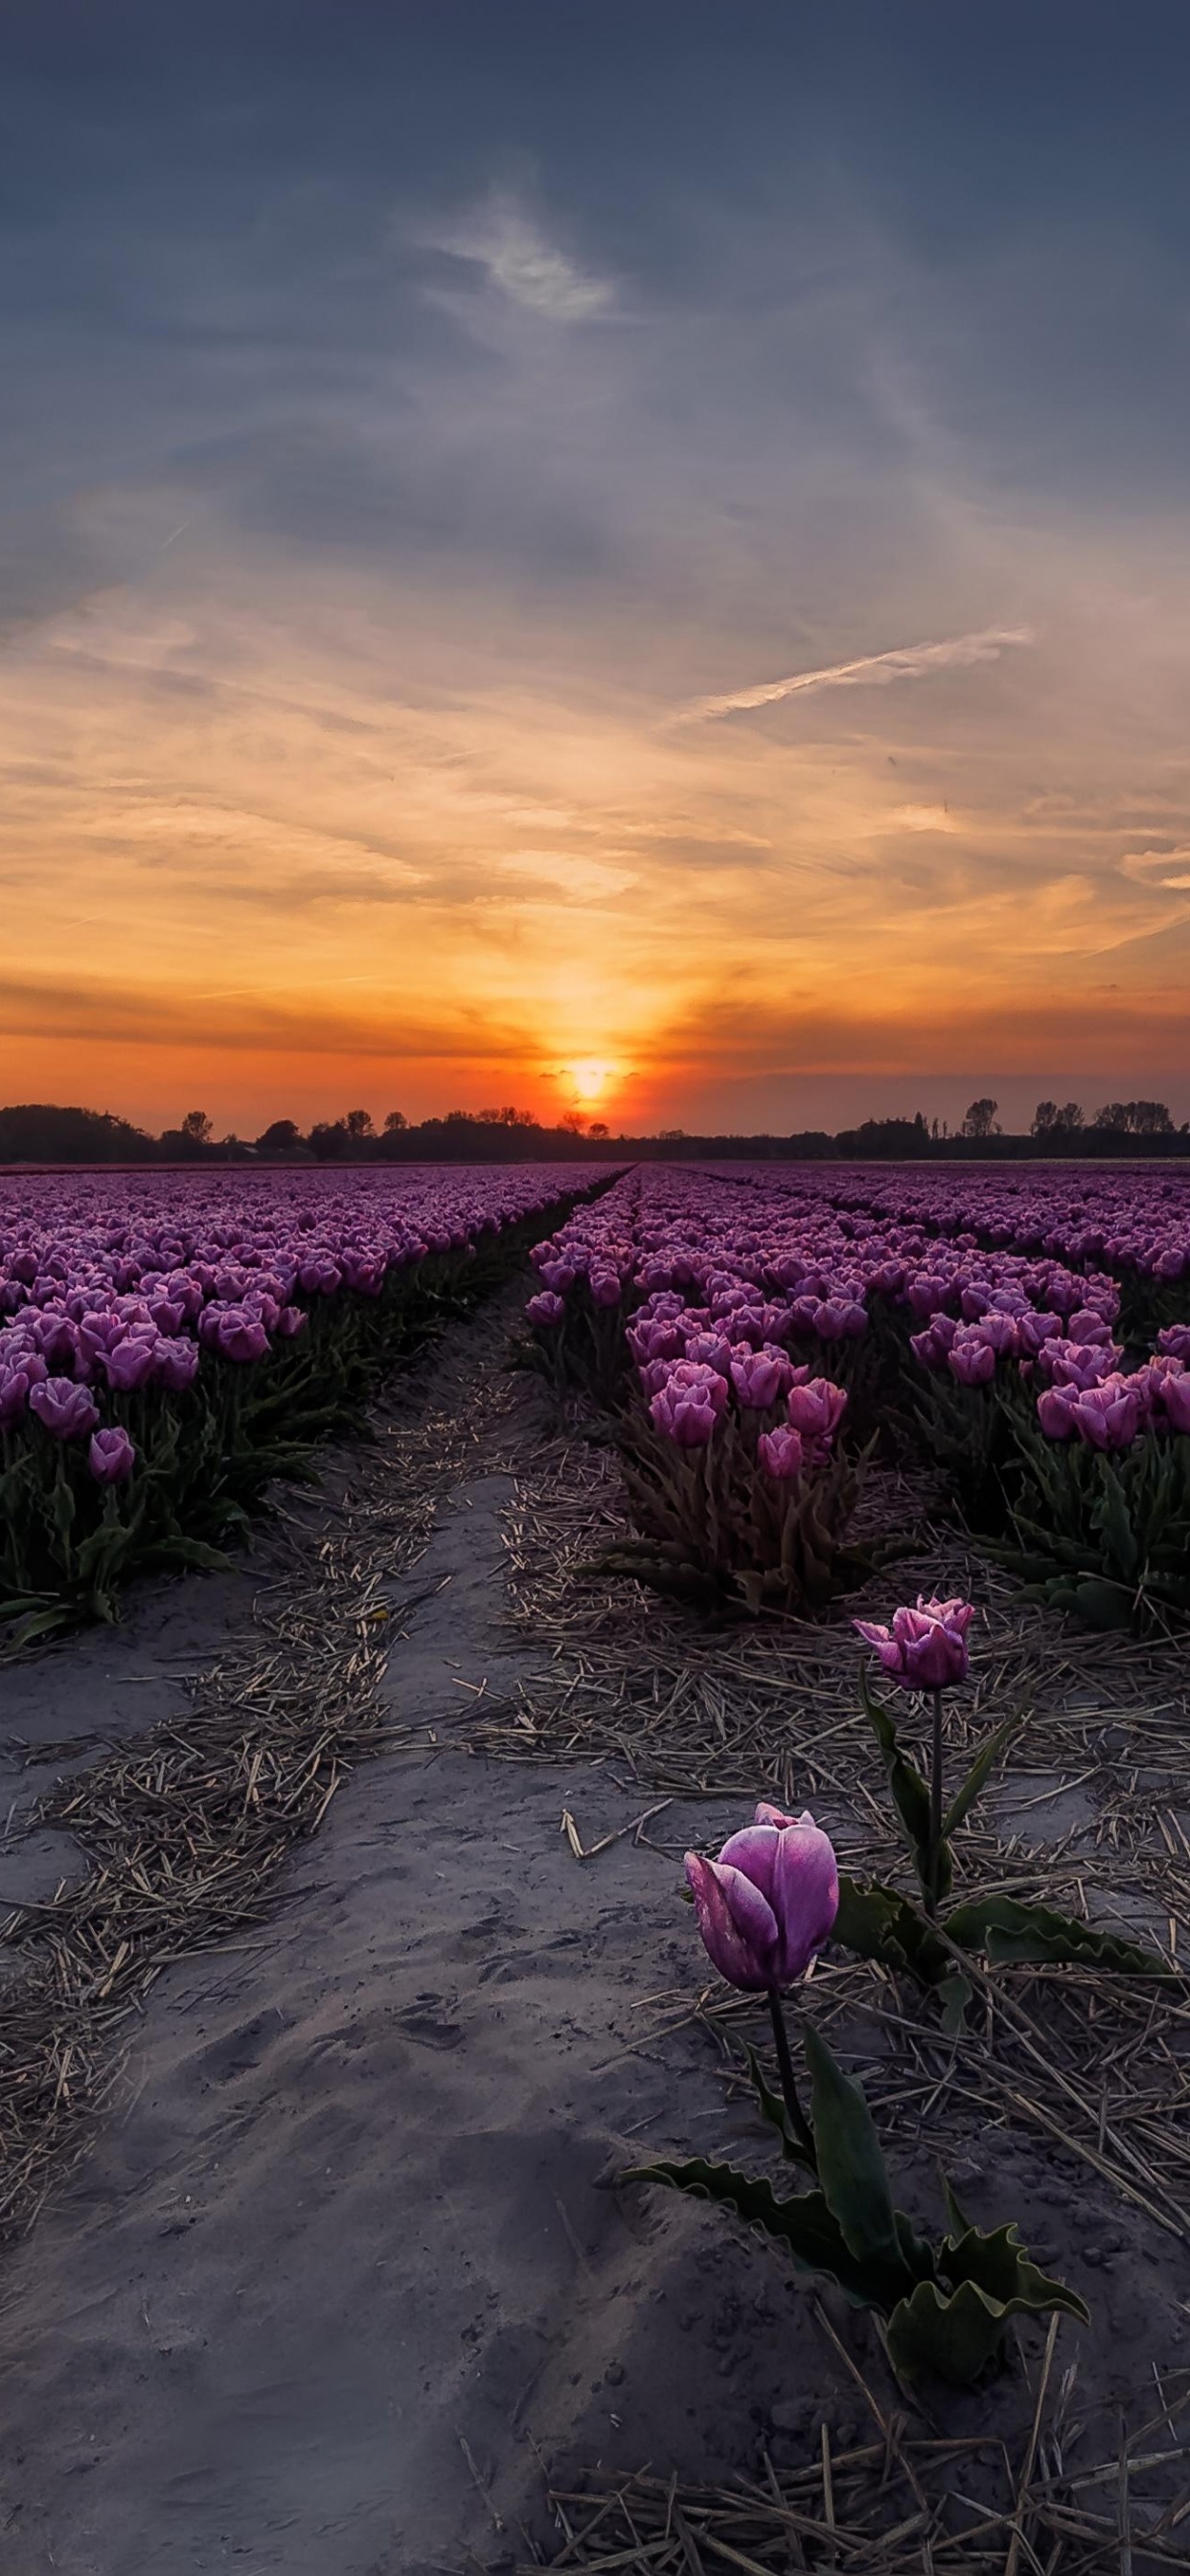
622, 551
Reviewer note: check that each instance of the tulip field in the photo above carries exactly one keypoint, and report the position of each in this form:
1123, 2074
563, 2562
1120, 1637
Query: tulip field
832, 1521
763, 1337
169, 1344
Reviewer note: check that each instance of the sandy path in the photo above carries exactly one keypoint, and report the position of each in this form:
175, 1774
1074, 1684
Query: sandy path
343, 2261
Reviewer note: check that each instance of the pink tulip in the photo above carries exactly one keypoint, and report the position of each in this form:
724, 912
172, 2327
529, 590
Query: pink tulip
926, 1648
767, 1905
111, 1456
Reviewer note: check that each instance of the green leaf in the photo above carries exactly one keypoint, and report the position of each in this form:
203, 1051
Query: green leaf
1115, 1522
803, 2224
999, 2266
1008, 1930
957, 2218
190, 1551
910, 1792
42, 1623
946, 2337
989, 1752
851, 2167
954, 1995
879, 1923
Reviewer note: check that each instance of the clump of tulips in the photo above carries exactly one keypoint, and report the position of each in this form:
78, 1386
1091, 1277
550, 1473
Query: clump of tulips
740, 1486
766, 1907
1101, 1525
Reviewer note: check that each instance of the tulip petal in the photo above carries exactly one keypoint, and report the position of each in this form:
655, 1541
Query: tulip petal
805, 1895
738, 1928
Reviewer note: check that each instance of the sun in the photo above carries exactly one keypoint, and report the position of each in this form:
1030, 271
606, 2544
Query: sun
589, 1080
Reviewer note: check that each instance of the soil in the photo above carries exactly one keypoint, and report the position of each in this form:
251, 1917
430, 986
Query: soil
347, 2268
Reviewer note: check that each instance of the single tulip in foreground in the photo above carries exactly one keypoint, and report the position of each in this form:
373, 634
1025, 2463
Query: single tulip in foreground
768, 1904
765, 1909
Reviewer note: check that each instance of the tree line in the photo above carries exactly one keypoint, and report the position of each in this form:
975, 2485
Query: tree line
40, 1133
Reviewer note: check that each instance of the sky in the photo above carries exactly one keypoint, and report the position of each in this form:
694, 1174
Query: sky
619, 553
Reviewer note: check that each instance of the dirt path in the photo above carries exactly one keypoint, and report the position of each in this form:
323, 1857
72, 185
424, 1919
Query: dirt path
340, 2262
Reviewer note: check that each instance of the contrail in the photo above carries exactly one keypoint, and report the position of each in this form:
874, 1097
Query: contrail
875, 670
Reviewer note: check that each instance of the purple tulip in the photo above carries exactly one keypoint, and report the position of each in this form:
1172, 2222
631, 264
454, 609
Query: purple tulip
926, 1648
711, 1350
759, 1380
1174, 1341
816, 1410
15, 1384
781, 1454
235, 1334
1055, 1412
546, 1310
175, 1362
1172, 1391
1034, 1329
132, 1362
690, 1403
971, 1359
292, 1320
768, 1904
111, 1456
66, 1411
1107, 1417
605, 1288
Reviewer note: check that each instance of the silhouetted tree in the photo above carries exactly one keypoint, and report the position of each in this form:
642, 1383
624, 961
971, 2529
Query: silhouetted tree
395, 1123
1136, 1118
980, 1119
283, 1137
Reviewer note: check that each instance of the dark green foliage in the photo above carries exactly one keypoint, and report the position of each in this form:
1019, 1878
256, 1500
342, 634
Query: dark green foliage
715, 1529
1104, 1536
948, 2306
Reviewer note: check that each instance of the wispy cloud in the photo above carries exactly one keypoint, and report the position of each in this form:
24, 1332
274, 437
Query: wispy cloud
872, 671
529, 269
1167, 869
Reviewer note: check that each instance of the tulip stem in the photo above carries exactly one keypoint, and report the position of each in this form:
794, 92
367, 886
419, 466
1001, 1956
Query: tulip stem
797, 2117
935, 1810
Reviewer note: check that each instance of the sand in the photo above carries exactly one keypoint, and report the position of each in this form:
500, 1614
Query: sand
347, 2264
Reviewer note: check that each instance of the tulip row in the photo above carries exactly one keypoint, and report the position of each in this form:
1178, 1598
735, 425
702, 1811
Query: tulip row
738, 1322
170, 1342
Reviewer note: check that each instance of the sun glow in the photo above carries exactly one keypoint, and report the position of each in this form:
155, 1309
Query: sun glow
589, 1080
